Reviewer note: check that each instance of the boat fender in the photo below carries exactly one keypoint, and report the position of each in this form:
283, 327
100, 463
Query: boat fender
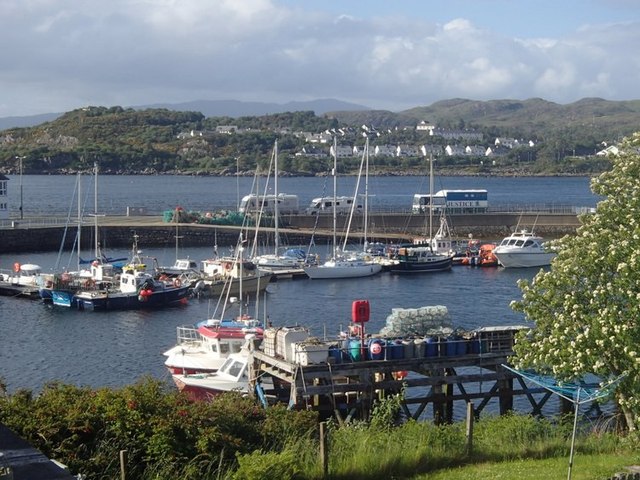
16, 267
177, 283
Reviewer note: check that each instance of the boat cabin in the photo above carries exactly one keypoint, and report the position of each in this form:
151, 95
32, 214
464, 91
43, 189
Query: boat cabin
227, 267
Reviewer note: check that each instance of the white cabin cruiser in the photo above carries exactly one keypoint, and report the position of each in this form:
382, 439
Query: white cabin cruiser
523, 249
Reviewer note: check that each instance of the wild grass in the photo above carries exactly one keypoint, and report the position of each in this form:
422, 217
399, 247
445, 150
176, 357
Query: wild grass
504, 447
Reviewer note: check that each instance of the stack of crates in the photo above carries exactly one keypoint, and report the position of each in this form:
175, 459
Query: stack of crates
269, 341
498, 339
285, 337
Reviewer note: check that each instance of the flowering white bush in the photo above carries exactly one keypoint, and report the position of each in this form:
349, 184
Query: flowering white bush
586, 308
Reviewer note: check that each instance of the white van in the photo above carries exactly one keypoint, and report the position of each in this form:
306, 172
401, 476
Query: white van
324, 205
287, 204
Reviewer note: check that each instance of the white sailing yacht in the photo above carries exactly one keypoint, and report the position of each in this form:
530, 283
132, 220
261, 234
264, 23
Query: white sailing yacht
290, 261
346, 264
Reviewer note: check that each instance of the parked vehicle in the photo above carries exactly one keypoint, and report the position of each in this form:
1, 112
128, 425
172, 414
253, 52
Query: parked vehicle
324, 206
452, 201
287, 204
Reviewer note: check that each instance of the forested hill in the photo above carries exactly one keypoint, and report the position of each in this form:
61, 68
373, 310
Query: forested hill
559, 138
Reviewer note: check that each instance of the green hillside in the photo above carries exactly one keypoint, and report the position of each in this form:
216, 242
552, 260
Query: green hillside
564, 138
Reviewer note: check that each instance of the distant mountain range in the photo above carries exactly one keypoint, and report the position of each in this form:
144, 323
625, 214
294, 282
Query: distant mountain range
532, 117
212, 108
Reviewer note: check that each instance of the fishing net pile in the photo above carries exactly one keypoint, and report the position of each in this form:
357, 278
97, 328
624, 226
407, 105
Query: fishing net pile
428, 320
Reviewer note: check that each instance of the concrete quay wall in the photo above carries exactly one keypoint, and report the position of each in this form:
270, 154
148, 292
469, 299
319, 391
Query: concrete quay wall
118, 231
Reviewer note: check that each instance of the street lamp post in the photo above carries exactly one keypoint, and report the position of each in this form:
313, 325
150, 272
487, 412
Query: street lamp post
21, 158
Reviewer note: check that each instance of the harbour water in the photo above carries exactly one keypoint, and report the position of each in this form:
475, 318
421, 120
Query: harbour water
41, 343
47, 195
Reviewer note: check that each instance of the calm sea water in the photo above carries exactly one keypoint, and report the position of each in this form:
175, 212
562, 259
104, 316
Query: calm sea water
41, 343
42, 194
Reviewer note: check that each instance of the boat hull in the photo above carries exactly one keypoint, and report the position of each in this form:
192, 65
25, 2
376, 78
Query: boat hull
250, 285
103, 300
343, 270
524, 259
439, 265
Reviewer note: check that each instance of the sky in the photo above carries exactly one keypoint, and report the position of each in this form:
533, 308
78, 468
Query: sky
59, 55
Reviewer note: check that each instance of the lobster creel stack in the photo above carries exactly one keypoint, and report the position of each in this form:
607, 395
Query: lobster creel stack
428, 320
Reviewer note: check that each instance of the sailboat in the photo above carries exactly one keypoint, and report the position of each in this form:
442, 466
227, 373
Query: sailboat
423, 258
346, 264
235, 273
60, 288
292, 260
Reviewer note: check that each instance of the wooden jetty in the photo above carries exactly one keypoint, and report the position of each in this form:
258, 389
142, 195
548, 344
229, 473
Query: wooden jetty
345, 382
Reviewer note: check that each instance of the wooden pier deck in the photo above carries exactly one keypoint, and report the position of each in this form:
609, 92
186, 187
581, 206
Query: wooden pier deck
469, 371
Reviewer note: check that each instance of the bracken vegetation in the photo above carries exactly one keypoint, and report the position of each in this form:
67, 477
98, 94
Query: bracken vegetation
167, 436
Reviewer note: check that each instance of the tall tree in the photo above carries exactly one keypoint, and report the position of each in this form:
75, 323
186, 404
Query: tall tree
586, 308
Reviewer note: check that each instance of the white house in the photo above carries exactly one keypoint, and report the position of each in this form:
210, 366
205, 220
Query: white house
408, 151
474, 150
385, 150
454, 150
228, 129
425, 127
610, 150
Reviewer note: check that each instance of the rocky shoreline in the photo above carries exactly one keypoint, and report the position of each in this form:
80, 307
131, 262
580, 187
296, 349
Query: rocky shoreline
251, 173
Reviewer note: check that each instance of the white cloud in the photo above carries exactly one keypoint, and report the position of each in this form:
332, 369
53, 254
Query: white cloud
60, 55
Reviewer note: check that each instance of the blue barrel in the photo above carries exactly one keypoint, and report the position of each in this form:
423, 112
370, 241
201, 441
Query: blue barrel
463, 346
475, 345
376, 349
335, 353
390, 350
355, 348
452, 346
431, 347
397, 349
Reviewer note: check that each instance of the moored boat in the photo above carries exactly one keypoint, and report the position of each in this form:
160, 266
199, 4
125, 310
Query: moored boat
484, 257
233, 375
203, 348
24, 280
420, 259
523, 249
231, 275
134, 288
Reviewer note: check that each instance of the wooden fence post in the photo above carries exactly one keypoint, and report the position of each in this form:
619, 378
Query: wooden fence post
123, 465
470, 418
324, 458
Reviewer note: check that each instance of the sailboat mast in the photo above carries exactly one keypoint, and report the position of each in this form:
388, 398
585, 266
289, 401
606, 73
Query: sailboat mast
95, 209
366, 192
79, 217
276, 242
335, 187
430, 201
